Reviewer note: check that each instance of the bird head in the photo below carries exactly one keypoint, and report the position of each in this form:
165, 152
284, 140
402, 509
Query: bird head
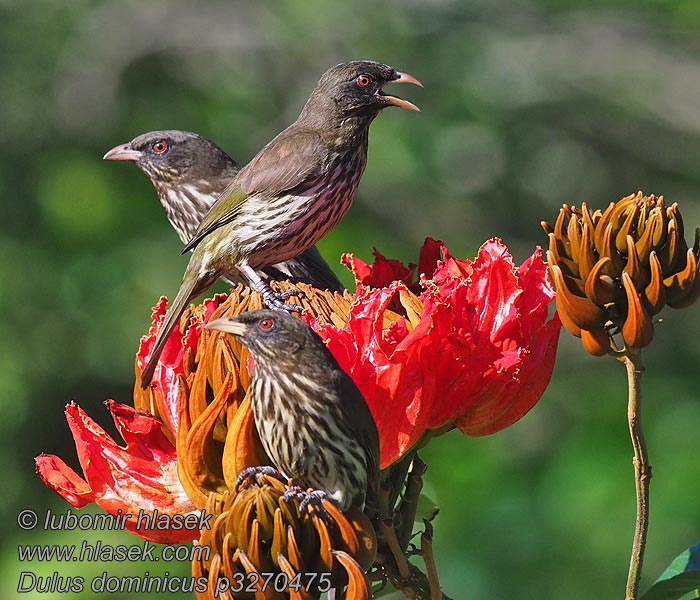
174, 156
268, 334
356, 88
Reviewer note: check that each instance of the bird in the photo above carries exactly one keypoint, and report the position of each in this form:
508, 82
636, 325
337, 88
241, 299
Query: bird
312, 420
293, 192
189, 172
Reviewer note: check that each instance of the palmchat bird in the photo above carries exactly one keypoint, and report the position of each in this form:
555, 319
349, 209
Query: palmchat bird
312, 420
189, 173
293, 192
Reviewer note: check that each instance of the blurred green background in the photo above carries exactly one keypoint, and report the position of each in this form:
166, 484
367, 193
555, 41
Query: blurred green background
527, 104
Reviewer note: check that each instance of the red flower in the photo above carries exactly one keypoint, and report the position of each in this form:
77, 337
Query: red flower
468, 345
140, 476
473, 349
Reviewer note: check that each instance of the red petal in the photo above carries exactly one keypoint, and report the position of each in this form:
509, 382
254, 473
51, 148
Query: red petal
381, 273
482, 353
497, 409
61, 478
429, 257
141, 475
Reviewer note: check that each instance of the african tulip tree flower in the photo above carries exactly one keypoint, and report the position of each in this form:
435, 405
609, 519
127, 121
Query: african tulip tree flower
466, 344
469, 346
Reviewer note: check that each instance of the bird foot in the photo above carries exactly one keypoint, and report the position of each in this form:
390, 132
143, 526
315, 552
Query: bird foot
252, 472
307, 499
314, 499
276, 300
286, 295
293, 493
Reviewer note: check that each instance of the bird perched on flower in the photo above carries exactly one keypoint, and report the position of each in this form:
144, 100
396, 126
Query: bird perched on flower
189, 173
312, 420
293, 192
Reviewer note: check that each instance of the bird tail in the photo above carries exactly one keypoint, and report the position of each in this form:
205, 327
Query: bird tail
190, 288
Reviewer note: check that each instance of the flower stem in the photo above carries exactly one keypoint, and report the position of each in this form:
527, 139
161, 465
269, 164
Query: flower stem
632, 359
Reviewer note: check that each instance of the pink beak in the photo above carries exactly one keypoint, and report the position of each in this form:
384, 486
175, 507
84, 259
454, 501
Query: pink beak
400, 102
122, 152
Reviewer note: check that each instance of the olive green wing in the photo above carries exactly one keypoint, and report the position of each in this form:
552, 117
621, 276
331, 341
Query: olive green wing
293, 158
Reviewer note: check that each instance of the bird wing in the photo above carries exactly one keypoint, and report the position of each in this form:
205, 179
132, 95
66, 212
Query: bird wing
294, 157
357, 413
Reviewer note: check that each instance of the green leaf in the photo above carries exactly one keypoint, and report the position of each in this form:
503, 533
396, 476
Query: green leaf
680, 578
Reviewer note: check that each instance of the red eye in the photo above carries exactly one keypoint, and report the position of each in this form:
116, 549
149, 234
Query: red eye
364, 80
265, 324
160, 146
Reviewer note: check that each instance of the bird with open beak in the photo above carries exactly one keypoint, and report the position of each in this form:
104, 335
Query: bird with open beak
293, 192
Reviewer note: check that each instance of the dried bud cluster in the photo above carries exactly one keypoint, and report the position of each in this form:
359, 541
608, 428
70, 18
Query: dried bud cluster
614, 270
257, 531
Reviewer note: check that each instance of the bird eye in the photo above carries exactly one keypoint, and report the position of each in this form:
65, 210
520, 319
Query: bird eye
364, 80
265, 324
160, 146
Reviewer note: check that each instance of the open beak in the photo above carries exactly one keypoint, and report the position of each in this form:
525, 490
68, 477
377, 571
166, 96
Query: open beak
228, 325
400, 102
122, 152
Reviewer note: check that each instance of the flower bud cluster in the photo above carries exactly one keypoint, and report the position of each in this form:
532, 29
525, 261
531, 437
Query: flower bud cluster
615, 269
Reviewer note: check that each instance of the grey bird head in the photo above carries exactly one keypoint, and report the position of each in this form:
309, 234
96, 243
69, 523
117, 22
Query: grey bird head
188, 171
174, 157
271, 335
355, 88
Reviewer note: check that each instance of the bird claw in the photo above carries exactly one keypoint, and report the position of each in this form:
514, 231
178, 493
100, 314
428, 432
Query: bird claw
286, 295
250, 472
314, 499
293, 493
277, 301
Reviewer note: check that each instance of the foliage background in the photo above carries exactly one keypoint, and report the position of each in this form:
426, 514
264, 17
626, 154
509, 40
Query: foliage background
527, 104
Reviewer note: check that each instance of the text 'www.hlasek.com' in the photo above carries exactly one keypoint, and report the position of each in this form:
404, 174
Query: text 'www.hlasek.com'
100, 551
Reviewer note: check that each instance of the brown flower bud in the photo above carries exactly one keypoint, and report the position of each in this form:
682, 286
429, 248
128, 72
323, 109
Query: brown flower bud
256, 531
615, 269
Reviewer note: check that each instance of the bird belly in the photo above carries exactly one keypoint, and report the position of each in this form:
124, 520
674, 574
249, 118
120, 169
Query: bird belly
275, 230
306, 442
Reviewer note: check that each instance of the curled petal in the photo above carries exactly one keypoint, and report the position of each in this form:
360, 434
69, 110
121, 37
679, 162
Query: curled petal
576, 312
139, 476
243, 444
262, 592
294, 592
358, 586
618, 263
637, 330
560, 257
601, 228
654, 295
573, 232
60, 477
559, 224
600, 288
637, 270
587, 255
596, 341
655, 226
682, 287
626, 228
674, 248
